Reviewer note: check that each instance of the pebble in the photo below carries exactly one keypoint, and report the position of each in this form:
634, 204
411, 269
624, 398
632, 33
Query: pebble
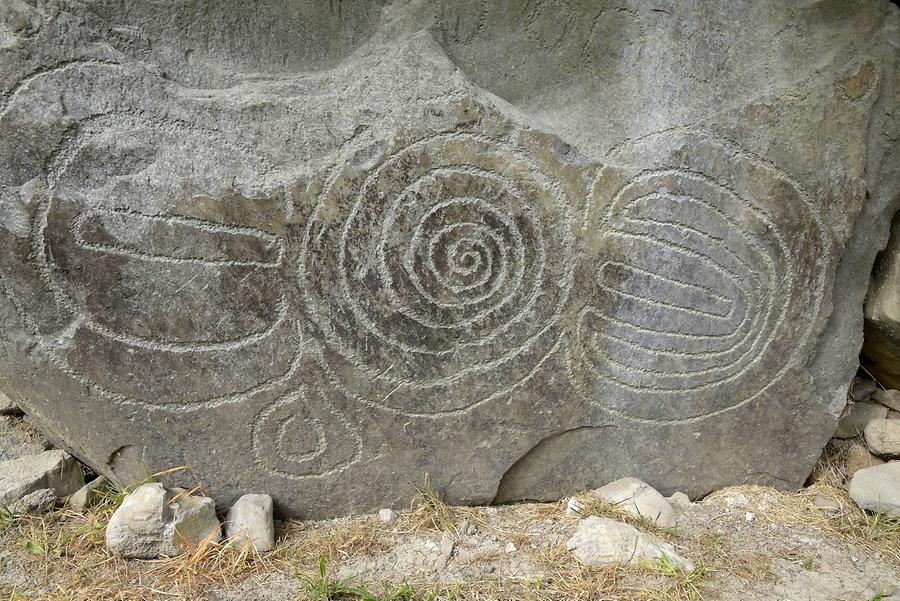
858, 457
8, 407
37, 502
640, 499
388, 515
828, 505
679, 498
88, 495
862, 389
574, 507
600, 541
251, 522
883, 438
877, 488
888, 398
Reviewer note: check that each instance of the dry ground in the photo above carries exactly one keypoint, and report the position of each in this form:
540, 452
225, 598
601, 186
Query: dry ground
749, 544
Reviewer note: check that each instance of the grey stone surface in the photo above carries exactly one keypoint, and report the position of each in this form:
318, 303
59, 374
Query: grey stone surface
51, 469
883, 438
250, 521
877, 488
640, 499
87, 496
853, 423
154, 522
601, 541
526, 248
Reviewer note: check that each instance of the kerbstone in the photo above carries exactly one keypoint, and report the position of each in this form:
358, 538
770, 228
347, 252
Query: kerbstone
322, 249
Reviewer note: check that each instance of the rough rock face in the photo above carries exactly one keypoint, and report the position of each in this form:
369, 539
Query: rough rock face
524, 247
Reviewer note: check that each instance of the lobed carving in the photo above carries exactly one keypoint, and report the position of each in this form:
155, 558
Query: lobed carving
710, 281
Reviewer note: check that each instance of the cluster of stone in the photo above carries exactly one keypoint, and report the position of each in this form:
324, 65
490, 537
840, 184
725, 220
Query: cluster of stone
871, 428
154, 521
602, 541
33, 476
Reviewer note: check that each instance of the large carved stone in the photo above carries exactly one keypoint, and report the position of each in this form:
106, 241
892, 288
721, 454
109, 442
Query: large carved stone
322, 249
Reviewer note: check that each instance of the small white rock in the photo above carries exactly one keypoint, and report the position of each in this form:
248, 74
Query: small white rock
599, 541
152, 522
574, 507
640, 499
877, 488
679, 498
511, 548
828, 505
749, 516
388, 515
251, 521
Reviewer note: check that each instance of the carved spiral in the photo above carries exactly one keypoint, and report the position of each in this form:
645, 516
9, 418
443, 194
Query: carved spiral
440, 276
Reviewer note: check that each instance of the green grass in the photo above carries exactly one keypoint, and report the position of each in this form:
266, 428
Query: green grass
319, 587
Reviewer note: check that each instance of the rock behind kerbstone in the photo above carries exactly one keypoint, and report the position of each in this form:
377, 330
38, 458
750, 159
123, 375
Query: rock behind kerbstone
858, 415
858, 458
87, 495
55, 469
250, 521
154, 522
862, 389
552, 246
883, 438
888, 398
600, 541
877, 488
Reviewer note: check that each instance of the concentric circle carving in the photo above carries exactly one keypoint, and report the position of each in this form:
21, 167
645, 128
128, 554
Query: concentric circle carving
302, 435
